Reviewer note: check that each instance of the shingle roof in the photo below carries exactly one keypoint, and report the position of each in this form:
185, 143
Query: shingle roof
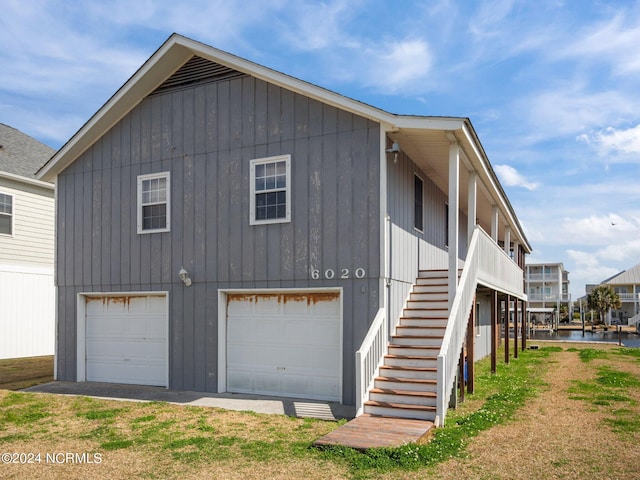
20, 154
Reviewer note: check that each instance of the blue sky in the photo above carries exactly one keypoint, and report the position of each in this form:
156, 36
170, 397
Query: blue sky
552, 87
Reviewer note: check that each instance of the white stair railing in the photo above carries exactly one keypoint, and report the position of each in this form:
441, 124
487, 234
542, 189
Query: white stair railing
488, 264
634, 320
369, 357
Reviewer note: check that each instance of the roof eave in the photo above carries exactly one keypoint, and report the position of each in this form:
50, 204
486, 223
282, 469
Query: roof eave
27, 180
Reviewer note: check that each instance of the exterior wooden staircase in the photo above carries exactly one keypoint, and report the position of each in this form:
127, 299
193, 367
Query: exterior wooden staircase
406, 387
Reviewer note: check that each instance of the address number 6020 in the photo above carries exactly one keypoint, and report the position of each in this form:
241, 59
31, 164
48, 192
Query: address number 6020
330, 273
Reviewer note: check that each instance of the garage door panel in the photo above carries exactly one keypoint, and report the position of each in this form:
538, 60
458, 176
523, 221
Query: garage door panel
126, 339
126, 372
285, 344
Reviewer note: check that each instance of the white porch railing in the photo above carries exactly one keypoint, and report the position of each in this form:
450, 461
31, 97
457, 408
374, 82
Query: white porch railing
369, 357
634, 320
488, 264
629, 297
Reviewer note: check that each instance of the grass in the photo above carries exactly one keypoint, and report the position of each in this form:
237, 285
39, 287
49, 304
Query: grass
501, 395
609, 392
159, 440
19, 373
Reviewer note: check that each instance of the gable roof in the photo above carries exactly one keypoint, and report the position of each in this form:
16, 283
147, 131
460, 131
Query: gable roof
626, 277
178, 61
20, 154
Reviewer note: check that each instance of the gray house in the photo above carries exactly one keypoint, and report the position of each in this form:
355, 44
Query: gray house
225, 227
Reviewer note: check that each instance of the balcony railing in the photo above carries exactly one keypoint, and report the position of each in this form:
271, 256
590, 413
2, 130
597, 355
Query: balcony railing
536, 297
541, 277
629, 297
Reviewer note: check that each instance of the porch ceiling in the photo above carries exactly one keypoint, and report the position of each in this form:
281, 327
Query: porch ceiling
429, 149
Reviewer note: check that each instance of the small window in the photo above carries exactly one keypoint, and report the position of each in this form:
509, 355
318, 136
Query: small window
153, 203
6, 214
270, 190
418, 210
446, 224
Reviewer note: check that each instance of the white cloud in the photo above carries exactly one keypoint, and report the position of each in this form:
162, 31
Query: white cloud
399, 65
611, 141
613, 42
512, 178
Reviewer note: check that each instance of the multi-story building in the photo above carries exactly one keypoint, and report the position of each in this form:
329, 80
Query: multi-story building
547, 286
627, 285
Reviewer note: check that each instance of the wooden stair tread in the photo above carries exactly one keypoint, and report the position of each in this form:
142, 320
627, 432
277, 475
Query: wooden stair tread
417, 336
403, 406
410, 357
406, 380
422, 326
412, 393
416, 369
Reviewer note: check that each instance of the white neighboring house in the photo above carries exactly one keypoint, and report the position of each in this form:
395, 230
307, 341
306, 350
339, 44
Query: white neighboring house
547, 286
27, 293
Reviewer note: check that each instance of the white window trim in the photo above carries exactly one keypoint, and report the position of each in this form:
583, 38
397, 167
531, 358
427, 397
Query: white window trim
150, 176
12, 216
252, 188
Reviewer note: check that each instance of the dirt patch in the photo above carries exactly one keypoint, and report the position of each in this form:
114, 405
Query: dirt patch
19, 373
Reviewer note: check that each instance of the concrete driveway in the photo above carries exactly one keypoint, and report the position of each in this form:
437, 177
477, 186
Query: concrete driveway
293, 407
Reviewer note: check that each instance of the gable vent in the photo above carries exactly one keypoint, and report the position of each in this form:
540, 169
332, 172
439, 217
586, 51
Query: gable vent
197, 70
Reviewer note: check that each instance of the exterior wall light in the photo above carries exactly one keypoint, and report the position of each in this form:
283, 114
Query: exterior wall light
184, 276
395, 149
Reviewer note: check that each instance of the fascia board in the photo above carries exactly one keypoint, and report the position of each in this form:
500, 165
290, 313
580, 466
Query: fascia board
286, 81
27, 180
488, 174
164, 62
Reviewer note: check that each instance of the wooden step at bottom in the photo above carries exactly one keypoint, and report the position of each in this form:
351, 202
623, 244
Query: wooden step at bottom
410, 397
400, 410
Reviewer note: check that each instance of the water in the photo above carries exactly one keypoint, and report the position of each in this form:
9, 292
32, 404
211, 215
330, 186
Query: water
611, 336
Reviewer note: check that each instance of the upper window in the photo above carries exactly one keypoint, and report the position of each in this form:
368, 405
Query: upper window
153, 203
418, 193
270, 190
6, 214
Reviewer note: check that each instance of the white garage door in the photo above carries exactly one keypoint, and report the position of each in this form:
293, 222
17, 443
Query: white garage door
126, 339
285, 344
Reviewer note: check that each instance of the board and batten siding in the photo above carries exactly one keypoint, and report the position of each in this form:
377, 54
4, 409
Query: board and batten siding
206, 135
33, 225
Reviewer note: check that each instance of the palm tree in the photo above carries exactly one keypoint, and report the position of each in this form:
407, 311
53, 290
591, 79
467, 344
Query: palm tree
602, 299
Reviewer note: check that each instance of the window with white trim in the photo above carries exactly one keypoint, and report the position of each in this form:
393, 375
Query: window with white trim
153, 203
6, 214
270, 190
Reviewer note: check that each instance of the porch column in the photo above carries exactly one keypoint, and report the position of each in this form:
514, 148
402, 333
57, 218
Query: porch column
516, 301
507, 240
454, 207
494, 331
461, 375
471, 338
516, 252
473, 191
507, 303
494, 223
524, 325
